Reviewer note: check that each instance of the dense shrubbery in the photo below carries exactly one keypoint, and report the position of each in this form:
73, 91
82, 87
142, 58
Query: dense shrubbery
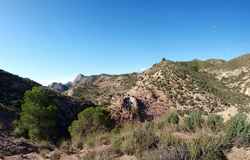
38, 117
91, 120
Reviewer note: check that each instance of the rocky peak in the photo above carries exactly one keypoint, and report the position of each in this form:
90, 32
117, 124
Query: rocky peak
77, 79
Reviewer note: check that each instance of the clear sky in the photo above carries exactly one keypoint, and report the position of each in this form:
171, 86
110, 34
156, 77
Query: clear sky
55, 40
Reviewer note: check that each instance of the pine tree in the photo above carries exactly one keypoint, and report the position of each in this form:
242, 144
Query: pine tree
39, 114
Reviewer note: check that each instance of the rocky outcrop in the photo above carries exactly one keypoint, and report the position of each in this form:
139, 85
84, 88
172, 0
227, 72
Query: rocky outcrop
125, 109
77, 79
60, 87
80, 79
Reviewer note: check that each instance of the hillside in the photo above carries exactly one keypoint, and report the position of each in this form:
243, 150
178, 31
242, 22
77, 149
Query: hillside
168, 89
167, 85
234, 73
12, 89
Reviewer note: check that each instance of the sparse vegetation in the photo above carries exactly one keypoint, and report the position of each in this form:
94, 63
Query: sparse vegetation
55, 155
195, 68
65, 146
42, 153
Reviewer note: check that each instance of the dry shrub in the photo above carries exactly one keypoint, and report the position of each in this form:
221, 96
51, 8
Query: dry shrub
65, 146
165, 153
98, 155
55, 155
97, 139
207, 147
141, 139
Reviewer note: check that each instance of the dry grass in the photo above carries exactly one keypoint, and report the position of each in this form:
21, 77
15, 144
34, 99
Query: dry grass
161, 140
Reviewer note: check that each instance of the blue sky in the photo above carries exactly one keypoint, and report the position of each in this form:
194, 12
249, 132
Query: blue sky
55, 40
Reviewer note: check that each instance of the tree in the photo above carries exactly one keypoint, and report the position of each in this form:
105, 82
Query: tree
39, 114
92, 120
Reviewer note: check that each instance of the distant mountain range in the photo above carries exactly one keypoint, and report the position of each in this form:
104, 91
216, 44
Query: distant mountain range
80, 79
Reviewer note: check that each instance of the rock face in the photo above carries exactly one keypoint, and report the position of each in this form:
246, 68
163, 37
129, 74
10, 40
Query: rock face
77, 79
125, 109
80, 79
60, 87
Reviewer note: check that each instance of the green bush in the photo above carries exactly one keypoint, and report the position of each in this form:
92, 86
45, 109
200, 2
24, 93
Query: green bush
237, 128
214, 121
92, 120
173, 118
193, 121
38, 116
